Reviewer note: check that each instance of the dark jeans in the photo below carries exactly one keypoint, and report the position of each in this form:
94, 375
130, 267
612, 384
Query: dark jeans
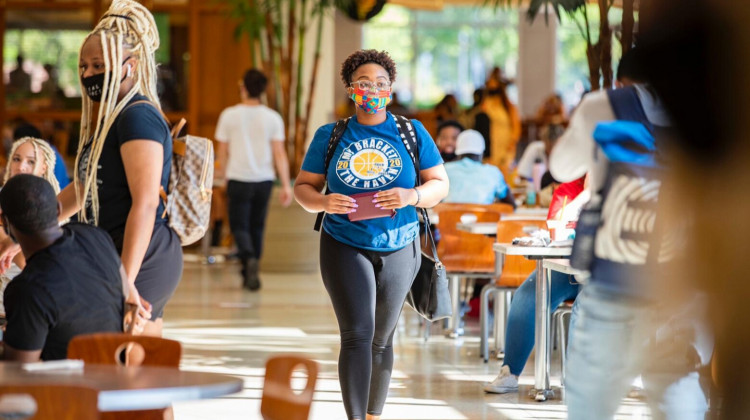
248, 206
367, 289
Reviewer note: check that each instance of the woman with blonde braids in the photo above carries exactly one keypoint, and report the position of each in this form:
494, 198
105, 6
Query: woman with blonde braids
33, 156
29, 155
125, 155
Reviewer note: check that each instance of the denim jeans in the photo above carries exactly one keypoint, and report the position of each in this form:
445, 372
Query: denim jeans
613, 339
519, 338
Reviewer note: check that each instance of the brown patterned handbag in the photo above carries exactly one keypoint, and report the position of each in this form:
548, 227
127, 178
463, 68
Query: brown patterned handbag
188, 204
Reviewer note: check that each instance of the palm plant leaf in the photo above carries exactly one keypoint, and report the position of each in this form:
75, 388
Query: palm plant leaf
569, 7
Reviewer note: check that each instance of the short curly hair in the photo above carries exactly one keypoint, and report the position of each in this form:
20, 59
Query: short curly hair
361, 57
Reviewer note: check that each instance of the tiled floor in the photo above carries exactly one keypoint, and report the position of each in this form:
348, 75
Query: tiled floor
224, 329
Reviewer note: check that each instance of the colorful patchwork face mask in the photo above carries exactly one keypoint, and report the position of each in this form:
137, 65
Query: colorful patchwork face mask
369, 101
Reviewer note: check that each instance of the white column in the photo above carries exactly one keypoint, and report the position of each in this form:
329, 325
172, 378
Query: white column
322, 109
537, 51
347, 39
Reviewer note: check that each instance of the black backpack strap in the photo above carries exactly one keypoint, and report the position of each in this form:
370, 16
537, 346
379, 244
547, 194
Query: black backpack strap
409, 137
333, 143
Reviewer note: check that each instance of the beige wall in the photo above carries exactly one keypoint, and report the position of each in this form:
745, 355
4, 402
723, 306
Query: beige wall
347, 40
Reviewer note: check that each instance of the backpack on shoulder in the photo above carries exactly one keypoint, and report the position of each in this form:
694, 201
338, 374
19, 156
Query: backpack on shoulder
188, 203
618, 235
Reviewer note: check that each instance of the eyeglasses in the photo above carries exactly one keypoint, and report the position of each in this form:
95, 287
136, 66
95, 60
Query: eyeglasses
368, 85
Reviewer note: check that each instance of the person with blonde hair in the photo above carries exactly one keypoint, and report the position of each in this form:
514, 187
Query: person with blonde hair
34, 156
125, 156
28, 155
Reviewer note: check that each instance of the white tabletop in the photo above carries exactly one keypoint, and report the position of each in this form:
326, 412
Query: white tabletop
532, 251
130, 388
561, 265
481, 228
523, 216
532, 210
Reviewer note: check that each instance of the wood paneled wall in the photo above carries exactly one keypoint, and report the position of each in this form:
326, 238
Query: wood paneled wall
217, 60
220, 63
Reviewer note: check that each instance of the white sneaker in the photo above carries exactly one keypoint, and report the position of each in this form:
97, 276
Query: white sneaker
504, 383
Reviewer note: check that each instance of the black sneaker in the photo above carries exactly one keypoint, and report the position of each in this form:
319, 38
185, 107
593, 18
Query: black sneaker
251, 280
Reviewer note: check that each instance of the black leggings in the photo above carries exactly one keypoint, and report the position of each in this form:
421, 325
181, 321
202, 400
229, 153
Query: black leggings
367, 289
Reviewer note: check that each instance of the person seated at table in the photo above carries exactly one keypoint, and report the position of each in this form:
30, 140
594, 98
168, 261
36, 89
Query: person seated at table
472, 181
72, 282
538, 151
519, 336
27, 155
447, 133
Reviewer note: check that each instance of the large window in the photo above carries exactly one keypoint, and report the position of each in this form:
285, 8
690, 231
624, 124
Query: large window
44, 55
48, 48
450, 51
572, 63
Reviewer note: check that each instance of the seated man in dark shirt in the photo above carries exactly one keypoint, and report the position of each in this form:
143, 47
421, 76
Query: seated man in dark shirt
71, 284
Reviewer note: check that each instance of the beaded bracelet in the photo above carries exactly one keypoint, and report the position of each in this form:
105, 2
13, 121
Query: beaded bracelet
419, 196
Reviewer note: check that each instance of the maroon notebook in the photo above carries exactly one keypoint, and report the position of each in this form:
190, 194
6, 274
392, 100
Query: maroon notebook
367, 209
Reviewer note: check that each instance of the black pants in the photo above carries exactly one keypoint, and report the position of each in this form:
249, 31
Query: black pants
248, 206
367, 289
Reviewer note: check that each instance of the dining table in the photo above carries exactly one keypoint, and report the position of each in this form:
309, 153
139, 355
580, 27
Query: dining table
490, 228
129, 388
542, 390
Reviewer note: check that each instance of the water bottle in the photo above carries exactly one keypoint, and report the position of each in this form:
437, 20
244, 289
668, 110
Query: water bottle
530, 195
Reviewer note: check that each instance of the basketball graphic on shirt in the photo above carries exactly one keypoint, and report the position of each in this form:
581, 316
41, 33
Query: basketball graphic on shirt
369, 164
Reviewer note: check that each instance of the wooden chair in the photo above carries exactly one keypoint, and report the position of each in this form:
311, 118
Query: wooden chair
465, 255
280, 401
106, 349
513, 272
109, 348
60, 402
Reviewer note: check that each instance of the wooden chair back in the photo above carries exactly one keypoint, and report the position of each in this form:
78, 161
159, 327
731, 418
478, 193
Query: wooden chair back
280, 401
127, 350
106, 348
60, 402
516, 268
463, 252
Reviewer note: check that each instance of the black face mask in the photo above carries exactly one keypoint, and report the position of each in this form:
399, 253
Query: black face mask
94, 85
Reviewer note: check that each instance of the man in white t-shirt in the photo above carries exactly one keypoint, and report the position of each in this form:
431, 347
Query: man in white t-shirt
250, 143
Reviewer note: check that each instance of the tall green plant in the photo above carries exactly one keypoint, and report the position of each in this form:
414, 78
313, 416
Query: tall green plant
277, 32
599, 50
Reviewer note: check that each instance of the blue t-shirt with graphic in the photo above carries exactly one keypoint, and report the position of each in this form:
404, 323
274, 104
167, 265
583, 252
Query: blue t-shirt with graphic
371, 158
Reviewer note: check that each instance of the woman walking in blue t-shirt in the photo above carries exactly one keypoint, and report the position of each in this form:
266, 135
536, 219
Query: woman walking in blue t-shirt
369, 265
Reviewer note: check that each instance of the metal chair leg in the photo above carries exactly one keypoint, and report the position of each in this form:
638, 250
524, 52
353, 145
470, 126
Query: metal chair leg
562, 339
455, 330
501, 319
502, 309
484, 327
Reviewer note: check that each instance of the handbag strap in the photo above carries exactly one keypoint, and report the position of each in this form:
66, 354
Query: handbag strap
409, 137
